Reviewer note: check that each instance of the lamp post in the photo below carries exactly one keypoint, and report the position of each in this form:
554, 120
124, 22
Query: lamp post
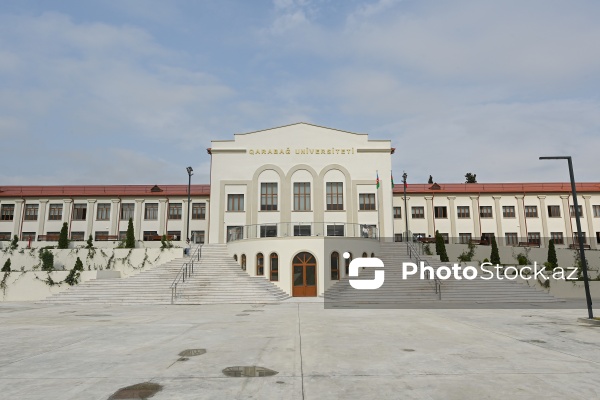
579, 234
404, 176
190, 173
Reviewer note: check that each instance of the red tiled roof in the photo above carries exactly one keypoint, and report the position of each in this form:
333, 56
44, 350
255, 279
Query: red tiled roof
102, 190
475, 188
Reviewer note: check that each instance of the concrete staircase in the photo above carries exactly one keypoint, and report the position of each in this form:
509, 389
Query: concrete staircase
415, 290
217, 278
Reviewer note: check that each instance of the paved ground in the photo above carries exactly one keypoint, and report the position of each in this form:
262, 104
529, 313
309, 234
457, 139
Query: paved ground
89, 352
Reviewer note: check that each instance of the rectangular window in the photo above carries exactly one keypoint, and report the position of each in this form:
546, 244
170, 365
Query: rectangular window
487, 237
27, 236
334, 195
576, 238
554, 211
234, 233
122, 235
557, 237
445, 237
485, 211
463, 212
533, 237
198, 210
572, 209
335, 230
274, 267
175, 211
398, 212
531, 212
127, 211
508, 211
103, 212
198, 237
100, 235
174, 235
55, 212
235, 202
5, 236
80, 212
512, 239
151, 211
398, 237
268, 231
302, 230
77, 236
418, 212
49, 237
151, 235
366, 201
464, 238
7, 212
268, 196
440, 212
596, 211
301, 196
31, 212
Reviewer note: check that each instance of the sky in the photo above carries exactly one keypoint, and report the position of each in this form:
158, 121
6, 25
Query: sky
133, 91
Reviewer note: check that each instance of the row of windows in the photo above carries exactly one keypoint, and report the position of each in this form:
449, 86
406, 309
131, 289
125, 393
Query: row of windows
334, 198
274, 264
270, 230
510, 238
55, 211
440, 212
196, 236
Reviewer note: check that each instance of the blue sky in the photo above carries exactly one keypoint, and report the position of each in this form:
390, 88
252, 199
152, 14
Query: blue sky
132, 91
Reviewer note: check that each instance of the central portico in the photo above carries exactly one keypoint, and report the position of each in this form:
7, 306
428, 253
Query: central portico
300, 192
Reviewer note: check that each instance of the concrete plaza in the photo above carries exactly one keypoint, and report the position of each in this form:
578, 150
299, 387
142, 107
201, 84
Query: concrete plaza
91, 351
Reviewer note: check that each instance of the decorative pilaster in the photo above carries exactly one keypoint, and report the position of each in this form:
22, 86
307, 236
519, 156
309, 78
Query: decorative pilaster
139, 204
544, 216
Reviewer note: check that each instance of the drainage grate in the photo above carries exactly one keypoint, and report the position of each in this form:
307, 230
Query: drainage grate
248, 371
192, 352
137, 391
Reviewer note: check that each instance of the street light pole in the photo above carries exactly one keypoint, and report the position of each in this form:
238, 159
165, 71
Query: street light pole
579, 233
190, 173
404, 176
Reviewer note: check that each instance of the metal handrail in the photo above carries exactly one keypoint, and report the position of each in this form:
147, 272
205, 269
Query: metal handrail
414, 253
186, 270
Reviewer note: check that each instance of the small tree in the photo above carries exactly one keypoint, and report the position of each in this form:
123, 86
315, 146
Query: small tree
430, 181
90, 243
495, 255
440, 247
552, 259
63, 238
6, 267
73, 277
14, 242
470, 178
47, 260
130, 237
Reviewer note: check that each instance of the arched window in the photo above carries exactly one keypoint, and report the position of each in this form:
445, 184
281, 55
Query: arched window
260, 264
274, 267
235, 257
335, 266
348, 263
365, 255
243, 262
372, 255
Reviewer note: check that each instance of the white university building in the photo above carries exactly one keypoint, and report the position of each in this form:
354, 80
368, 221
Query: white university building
289, 201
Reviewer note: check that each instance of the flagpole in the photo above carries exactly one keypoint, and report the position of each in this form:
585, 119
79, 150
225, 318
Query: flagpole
378, 206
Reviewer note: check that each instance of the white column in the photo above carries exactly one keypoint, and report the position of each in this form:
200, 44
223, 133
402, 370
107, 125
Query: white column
114, 217
139, 204
543, 216
90, 215
42, 216
452, 212
567, 218
590, 225
521, 216
184, 215
498, 217
476, 225
429, 215
18, 217
162, 209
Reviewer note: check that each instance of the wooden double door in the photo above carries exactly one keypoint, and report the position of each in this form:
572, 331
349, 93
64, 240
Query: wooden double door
304, 273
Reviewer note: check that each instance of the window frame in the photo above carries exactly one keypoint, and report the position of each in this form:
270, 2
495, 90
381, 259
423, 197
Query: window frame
366, 202
417, 212
269, 196
509, 212
100, 209
334, 199
301, 196
235, 202
485, 214
460, 212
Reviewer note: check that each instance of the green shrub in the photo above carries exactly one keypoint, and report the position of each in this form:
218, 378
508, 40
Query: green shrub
63, 238
552, 259
90, 243
6, 267
47, 260
73, 277
440, 247
14, 242
130, 237
495, 255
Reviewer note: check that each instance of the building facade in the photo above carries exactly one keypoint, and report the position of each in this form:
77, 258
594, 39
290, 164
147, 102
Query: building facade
290, 201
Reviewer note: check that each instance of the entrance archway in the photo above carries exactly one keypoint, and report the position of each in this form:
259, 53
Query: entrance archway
304, 273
